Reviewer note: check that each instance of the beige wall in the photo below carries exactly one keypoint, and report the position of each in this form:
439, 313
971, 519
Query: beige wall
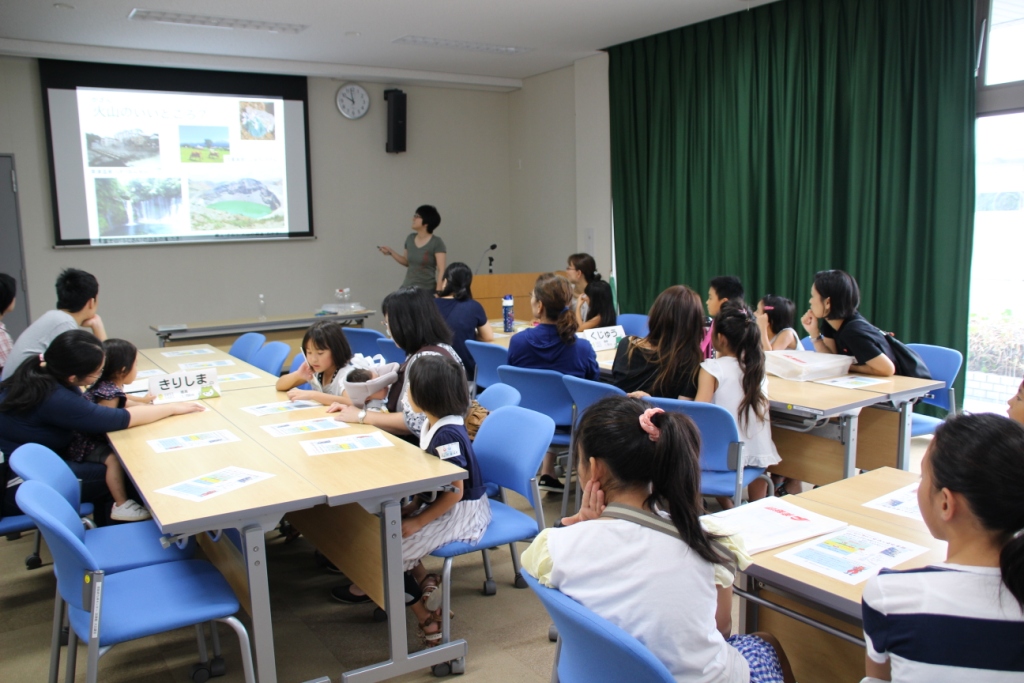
465, 148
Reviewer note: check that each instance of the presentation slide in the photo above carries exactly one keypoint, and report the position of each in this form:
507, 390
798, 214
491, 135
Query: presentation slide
192, 157
173, 165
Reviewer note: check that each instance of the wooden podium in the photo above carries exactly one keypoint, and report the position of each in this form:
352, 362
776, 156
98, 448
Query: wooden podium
489, 290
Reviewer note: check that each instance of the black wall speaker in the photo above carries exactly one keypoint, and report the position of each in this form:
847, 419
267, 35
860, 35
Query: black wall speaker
396, 121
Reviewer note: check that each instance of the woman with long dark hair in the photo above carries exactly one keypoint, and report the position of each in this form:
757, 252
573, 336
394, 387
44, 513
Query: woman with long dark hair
464, 315
665, 362
413, 321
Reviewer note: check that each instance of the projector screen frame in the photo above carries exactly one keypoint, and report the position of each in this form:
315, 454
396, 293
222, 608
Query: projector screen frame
70, 75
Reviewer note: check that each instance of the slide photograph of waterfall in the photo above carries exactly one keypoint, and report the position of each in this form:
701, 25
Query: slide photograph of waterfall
139, 206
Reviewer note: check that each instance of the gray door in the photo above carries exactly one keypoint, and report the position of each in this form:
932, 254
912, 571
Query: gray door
12, 260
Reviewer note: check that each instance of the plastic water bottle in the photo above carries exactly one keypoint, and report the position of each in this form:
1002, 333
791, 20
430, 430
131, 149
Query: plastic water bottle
508, 315
263, 309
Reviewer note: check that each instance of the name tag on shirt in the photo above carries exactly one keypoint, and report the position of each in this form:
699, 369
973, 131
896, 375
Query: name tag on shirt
449, 450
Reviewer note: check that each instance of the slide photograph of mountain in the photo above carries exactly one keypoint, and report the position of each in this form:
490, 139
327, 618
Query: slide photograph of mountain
242, 205
121, 148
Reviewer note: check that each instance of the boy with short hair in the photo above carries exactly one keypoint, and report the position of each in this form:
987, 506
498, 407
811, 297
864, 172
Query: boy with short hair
77, 300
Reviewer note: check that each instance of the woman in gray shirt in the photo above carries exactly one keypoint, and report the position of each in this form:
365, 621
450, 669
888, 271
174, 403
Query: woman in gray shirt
424, 254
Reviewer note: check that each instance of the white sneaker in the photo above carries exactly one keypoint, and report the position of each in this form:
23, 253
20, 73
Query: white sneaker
129, 512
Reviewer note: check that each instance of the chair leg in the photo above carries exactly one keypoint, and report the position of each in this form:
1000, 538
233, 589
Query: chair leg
201, 644
518, 581
566, 493
243, 644
69, 671
446, 599
34, 561
490, 587
554, 666
58, 622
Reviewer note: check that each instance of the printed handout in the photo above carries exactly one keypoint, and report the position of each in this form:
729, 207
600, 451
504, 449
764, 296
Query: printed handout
238, 377
853, 555
345, 444
199, 365
772, 522
902, 502
186, 441
852, 381
186, 352
280, 407
318, 424
214, 484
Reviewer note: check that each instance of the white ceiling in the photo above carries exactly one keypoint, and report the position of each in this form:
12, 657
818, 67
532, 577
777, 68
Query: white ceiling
351, 39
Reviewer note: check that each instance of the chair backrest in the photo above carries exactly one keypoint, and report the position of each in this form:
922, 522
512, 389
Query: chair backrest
362, 340
717, 426
807, 343
944, 364
246, 346
593, 649
59, 523
390, 350
586, 392
541, 390
35, 462
510, 446
634, 324
498, 396
488, 357
299, 359
271, 357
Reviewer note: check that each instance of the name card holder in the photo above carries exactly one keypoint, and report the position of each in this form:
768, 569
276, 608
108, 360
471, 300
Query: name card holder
603, 338
187, 385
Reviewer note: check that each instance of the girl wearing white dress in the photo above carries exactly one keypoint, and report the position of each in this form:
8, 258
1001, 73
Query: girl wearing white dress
736, 380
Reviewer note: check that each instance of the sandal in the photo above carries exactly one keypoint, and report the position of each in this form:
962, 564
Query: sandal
432, 594
430, 639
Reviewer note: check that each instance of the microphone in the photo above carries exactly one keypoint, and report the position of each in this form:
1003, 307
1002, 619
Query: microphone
481, 261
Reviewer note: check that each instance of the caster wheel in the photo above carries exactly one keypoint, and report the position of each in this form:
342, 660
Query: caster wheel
217, 667
33, 562
200, 673
379, 615
490, 588
459, 665
520, 581
442, 669
552, 633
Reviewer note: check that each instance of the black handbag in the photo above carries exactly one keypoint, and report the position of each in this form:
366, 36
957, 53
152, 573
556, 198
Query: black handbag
908, 362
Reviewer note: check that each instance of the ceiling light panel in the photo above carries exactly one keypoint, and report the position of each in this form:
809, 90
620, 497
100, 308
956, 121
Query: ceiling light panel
206, 21
462, 45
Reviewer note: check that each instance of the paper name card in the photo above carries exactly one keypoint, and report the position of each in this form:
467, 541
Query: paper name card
190, 385
772, 522
200, 365
603, 338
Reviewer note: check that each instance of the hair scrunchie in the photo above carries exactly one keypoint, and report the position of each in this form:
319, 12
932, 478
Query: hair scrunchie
653, 432
42, 361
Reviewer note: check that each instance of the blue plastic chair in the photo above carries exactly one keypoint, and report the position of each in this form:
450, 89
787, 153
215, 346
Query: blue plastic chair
509, 448
246, 346
131, 604
585, 392
498, 396
69, 487
363, 340
390, 350
721, 452
297, 362
634, 324
488, 357
944, 365
591, 649
544, 392
807, 343
271, 358
117, 548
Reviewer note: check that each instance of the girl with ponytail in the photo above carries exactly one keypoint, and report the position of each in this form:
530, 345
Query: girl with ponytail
736, 380
638, 555
962, 620
552, 344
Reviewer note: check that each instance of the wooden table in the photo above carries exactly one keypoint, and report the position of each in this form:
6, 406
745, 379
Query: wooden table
349, 508
166, 359
816, 618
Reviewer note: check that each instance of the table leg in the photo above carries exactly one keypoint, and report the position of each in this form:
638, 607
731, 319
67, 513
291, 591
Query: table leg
259, 595
401, 661
849, 436
903, 447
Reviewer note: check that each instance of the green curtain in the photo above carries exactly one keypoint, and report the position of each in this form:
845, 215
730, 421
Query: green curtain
799, 136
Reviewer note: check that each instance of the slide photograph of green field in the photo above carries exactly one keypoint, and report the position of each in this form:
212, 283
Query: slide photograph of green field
203, 144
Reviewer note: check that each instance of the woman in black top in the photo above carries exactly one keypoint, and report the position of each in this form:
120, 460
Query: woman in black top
665, 362
835, 298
